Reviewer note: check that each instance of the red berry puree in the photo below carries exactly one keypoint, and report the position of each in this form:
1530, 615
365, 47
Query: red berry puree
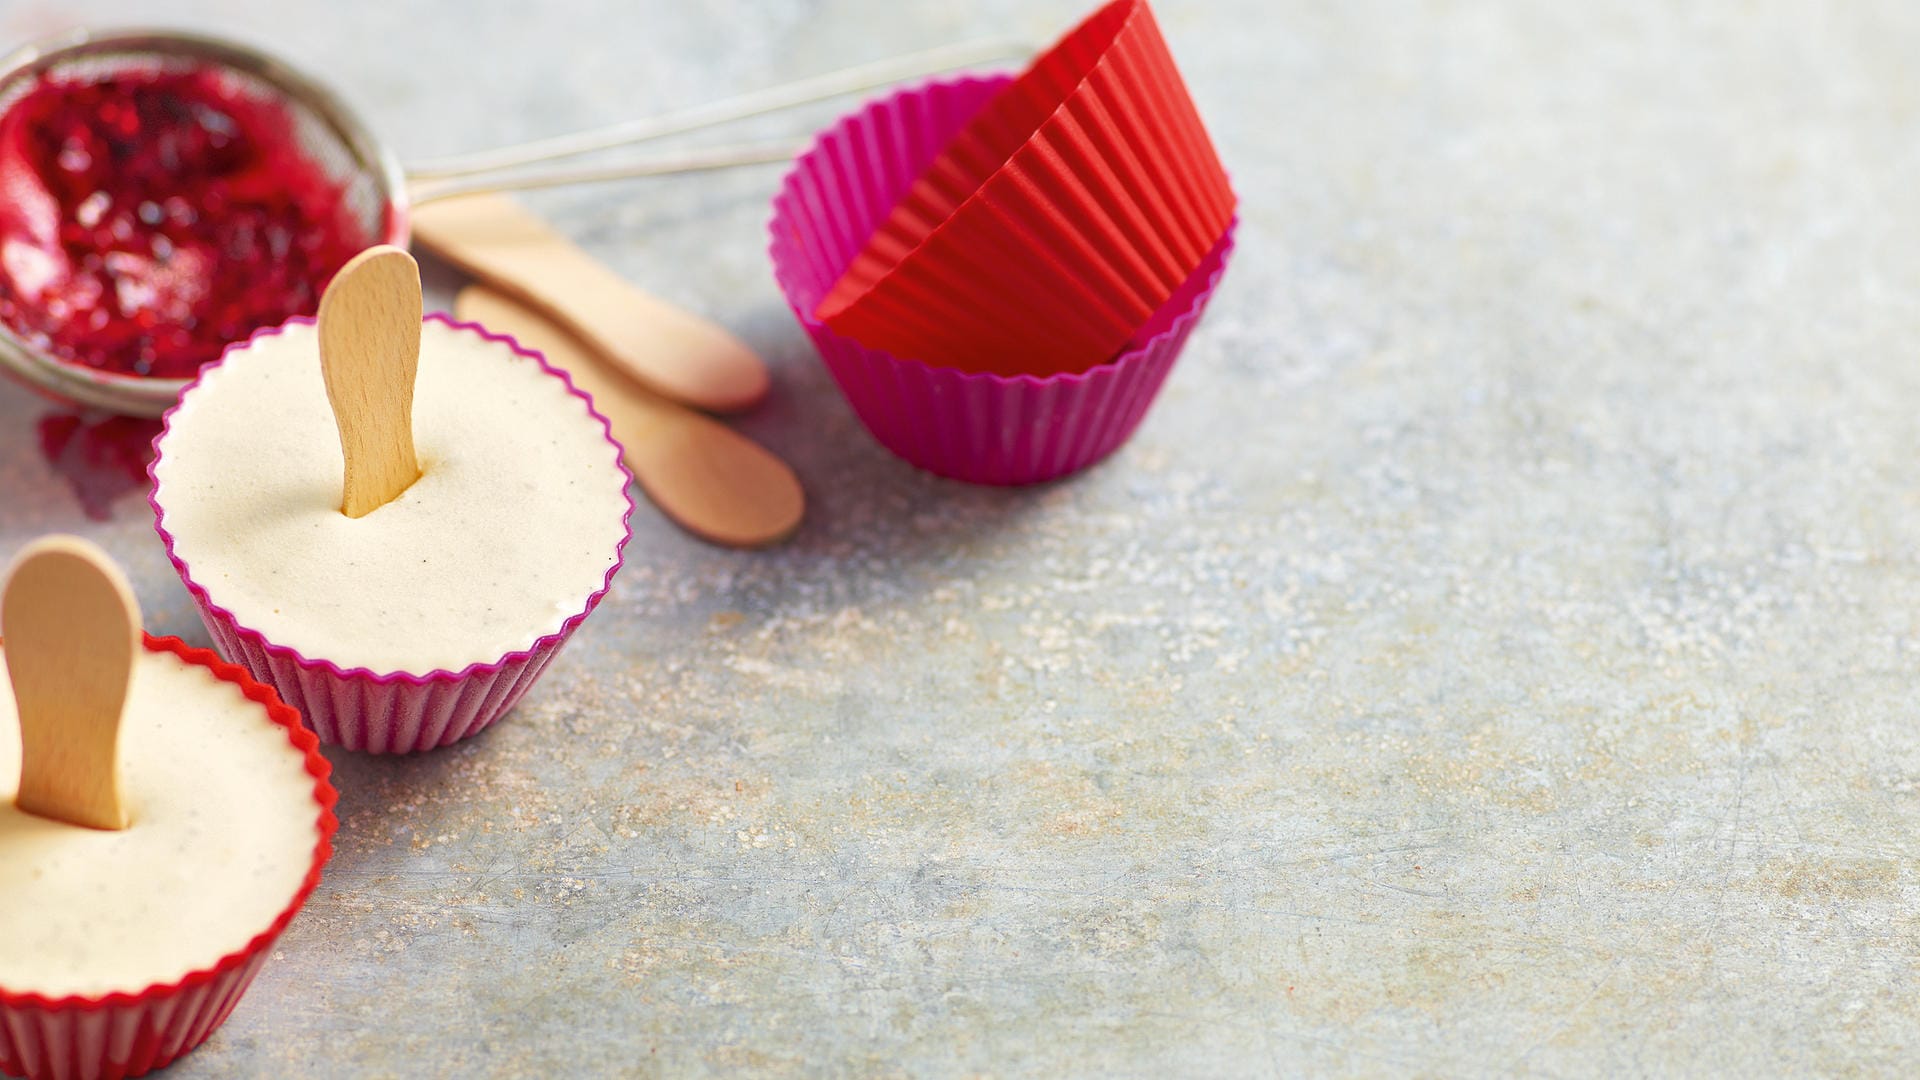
149, 218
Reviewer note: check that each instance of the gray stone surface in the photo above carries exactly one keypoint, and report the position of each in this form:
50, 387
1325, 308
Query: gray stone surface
1494, 655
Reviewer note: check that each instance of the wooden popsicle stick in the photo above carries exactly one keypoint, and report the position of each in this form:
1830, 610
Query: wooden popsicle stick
712, 481
674, 352
72, 630
369, 354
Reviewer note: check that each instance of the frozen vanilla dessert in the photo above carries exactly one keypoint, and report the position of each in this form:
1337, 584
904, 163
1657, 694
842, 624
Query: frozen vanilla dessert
224, 825
513, 526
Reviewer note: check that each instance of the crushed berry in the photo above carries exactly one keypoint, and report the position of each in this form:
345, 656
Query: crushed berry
149, 218
102, 456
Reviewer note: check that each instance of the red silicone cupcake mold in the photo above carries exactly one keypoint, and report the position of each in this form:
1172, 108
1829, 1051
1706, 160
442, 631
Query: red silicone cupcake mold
1052, 224
978, 427
126, 1034
394, 712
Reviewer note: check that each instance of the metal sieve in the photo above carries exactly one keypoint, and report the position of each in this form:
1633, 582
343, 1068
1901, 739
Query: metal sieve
377, 189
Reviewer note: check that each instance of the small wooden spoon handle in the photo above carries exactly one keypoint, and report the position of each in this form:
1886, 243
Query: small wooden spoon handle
369, 355
72, 629
676, 353
712, 481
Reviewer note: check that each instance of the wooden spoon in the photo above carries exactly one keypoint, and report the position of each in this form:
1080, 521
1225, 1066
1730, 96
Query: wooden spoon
712, 481
72, 628
676, 353
369, 354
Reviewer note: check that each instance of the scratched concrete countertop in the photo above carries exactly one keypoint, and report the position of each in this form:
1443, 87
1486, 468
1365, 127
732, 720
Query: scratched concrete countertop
1494, 655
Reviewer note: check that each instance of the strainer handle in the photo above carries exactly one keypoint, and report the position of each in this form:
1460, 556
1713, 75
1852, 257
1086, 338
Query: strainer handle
758, 103
720, 157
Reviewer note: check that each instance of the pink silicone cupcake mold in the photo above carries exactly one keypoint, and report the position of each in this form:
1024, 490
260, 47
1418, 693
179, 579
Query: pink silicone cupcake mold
395, 712
109, 1036
973, 426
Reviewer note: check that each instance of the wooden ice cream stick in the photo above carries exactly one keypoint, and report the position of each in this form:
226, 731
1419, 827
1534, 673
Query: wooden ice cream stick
72, 630
712, 481
674, 352
369, 354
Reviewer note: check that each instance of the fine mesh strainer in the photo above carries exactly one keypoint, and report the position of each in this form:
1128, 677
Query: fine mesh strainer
377, 190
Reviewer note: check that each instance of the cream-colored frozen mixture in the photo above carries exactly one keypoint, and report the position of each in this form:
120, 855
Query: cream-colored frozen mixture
512, 526
223, 829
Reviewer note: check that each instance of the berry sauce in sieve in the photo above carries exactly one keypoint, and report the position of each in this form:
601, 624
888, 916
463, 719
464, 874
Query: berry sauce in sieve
166, 193
148, 218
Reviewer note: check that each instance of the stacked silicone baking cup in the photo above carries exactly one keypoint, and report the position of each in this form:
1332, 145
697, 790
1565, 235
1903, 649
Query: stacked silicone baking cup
1000, 273
86, 1037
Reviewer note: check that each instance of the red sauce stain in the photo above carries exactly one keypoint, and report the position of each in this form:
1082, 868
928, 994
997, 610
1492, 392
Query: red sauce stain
102, 456
149, 218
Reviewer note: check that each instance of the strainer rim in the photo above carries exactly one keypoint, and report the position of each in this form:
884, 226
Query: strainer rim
148, 395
